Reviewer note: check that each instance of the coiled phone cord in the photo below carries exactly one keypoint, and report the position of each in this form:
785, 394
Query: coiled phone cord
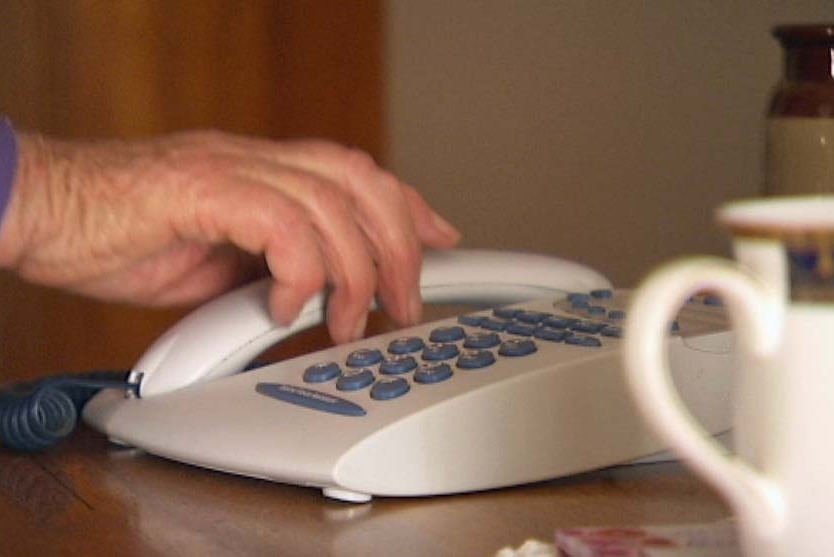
37, 415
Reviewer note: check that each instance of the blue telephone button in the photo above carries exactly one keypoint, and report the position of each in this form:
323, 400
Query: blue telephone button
495, 323
559, 322
320, 373
399, 363
364, 357
482, 339
528, 316
475, 359
471, 320
550, 334
596, 311
517, 347
308, 398
355, 379
440, 351
388, 388
505, 313
447, 334
521, 329
580, 304
405, 345
432, 373
579, 297
584, 340
587, 327
612, 331
617, 314
602, 294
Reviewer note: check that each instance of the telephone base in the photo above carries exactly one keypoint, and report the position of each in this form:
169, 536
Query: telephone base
549, 400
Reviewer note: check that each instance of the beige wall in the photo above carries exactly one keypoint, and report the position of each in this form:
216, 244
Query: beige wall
605, 131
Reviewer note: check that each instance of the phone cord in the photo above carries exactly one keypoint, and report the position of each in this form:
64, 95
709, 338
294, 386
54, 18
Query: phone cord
37, 415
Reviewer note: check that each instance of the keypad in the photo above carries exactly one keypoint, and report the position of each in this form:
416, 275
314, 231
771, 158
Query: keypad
475, 344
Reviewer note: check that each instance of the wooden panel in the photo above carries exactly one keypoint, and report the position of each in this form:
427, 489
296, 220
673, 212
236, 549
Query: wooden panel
129, 68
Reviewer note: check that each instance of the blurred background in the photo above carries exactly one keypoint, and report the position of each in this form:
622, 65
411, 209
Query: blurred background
602, 131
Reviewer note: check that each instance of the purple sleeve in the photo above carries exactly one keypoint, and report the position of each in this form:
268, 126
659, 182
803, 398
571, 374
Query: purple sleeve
8, 163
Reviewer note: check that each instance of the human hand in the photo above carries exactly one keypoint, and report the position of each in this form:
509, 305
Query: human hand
181, 218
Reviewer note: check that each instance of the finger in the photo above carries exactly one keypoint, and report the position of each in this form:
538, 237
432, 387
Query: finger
382, 212
434, 231
350, 269
260, 220
385, 211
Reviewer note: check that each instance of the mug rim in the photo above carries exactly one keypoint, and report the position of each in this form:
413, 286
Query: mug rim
776, 216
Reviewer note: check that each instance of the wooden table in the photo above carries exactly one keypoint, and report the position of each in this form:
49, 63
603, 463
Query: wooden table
88, 498
91, 498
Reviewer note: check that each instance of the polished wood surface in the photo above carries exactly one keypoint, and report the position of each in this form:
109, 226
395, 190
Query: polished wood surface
89, 498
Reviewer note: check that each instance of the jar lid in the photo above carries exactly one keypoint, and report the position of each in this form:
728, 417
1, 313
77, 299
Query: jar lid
812, 33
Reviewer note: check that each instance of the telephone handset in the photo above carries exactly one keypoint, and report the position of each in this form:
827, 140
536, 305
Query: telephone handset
223, 336
502, 396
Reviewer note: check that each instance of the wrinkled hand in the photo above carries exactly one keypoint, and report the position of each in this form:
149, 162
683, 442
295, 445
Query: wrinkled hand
181, 218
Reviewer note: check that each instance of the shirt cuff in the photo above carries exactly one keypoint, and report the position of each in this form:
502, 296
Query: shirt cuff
8, 163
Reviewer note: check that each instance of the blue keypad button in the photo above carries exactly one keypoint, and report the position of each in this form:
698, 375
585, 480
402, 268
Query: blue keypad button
580, 304
552, 335
319, 373
578, 297
602, 293
495, 324
399, 363
713, 300
440, 351
596, 311
517, 347
471, 320
589, 327
505, 313
432, 373
364, 357
616, 315
309, 398
557, 322
530, 316
388, 388
584, 340
447, 334
475, 359
406, 345
482, 339
355, 379
521, 329
675, 327
612, 331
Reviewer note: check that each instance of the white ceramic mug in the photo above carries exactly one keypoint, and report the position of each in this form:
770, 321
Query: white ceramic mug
780, 296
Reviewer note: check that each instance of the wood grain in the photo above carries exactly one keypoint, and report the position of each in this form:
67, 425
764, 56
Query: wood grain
89, 498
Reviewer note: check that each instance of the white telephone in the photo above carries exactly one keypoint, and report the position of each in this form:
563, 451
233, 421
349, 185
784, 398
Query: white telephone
493, 398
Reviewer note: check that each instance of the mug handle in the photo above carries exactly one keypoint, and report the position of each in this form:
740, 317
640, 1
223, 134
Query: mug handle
755, 311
